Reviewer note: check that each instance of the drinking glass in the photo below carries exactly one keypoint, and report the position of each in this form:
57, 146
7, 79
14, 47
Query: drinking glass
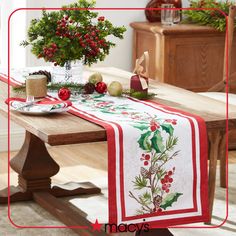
176, 16
167, 14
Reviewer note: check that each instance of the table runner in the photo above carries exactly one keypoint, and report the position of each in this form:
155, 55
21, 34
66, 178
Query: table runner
157, 160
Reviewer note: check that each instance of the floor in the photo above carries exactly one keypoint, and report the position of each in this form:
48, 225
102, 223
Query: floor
89, 162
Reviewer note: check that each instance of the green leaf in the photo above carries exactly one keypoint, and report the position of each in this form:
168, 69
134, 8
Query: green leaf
144, 141
168, 128
170, 199
99, 96
141, 127
157, 142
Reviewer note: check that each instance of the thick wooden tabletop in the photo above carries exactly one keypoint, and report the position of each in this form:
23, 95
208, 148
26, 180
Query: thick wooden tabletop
60, 129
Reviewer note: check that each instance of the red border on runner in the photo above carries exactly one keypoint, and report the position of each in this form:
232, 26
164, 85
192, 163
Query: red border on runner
215, 9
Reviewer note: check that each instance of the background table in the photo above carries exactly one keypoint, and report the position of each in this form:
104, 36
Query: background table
36, 167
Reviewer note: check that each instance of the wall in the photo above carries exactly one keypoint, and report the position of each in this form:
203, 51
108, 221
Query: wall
18, 59
120, 56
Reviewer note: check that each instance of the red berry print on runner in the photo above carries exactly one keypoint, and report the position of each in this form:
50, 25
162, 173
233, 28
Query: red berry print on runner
154, 125
167, 180
146, 159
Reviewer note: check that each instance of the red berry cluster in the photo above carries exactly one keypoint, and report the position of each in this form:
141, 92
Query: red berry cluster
101, 18
145, 158
49, 52
166, 181
91, 41
63, 28
154, 125
172, 121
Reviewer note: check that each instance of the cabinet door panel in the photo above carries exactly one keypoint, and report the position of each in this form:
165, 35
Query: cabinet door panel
197, 63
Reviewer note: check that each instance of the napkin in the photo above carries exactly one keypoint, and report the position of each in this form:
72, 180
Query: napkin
45, 105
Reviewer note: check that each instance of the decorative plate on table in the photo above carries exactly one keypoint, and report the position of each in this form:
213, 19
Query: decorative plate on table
38, 108
31, 112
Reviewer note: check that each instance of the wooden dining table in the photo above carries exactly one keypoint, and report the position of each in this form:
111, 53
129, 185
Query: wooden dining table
35, 166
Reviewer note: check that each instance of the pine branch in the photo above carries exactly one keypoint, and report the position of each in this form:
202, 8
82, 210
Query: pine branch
140, 182
171, 157
213, 18
147, 208
170, 143
53, 87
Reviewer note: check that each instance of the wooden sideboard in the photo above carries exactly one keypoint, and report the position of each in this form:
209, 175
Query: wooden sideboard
185, 55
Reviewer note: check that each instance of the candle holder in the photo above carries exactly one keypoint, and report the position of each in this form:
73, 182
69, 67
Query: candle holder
36, 86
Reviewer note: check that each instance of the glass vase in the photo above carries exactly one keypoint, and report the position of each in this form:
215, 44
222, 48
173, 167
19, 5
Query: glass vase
71, 72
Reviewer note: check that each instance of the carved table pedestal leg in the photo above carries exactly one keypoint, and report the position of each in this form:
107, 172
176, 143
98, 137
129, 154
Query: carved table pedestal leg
35, 167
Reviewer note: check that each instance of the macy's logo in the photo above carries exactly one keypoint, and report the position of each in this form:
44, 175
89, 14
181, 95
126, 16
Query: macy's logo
114, 228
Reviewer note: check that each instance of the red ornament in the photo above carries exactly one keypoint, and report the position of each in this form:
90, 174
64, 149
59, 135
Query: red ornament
64, 93
101, 87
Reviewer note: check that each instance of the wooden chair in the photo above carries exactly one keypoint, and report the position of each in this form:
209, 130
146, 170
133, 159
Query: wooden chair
218, 91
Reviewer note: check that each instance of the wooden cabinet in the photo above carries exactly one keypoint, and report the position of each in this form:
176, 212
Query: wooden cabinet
187, 56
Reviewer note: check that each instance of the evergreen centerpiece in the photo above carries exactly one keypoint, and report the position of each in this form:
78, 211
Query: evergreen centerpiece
209, 17
73, 33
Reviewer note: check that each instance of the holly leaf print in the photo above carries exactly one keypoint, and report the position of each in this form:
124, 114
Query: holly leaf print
157, 142
98, 96
168, 128
144, 141
170, 199
141, 127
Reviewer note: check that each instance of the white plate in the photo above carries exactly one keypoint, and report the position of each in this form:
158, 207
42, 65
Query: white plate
41, 113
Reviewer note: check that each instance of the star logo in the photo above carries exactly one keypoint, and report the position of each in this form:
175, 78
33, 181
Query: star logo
96, 226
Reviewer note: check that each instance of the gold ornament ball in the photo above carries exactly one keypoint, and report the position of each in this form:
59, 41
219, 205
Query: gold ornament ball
95, 78
115, 89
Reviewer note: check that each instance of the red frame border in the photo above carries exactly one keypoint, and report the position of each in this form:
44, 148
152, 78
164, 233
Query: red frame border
130, 9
